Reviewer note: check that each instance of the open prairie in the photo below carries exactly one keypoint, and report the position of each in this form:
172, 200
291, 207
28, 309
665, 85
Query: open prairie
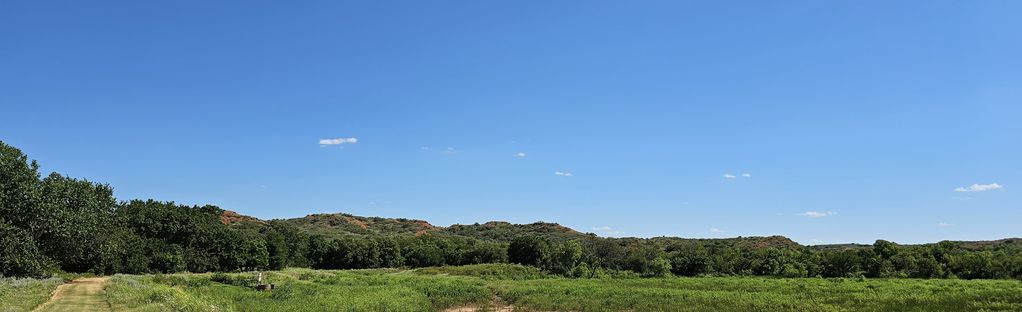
528, 155
516, 288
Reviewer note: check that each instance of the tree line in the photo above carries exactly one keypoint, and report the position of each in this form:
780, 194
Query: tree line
59, 223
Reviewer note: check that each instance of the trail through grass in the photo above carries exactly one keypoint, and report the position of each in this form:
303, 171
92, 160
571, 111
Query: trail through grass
84, 294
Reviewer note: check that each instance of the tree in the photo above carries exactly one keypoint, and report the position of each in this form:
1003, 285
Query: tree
76, 214
276, 247
19, 255
609, 252
484, 252
658, 267
119, 253
423, 251
319, 248
566, 259
689, 260
529, 250
972, 265
390, 253
843, 263
648, 261
927, 266
164, 257
19, 190
885, 249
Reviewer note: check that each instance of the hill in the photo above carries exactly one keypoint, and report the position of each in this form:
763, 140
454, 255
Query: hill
343, 224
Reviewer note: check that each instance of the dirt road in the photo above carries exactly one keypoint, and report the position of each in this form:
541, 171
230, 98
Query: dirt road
83, 294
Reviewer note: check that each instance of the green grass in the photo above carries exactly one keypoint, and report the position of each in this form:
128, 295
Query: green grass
493, 271
26, 293
762, 294
436, 289
298, 290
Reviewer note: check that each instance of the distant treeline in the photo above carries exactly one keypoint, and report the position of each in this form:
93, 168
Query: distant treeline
58, 223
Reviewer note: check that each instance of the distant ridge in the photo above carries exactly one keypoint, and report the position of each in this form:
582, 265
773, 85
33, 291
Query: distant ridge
344, 224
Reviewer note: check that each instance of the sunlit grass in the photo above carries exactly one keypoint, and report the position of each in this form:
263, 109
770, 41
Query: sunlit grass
23, 294
524, 289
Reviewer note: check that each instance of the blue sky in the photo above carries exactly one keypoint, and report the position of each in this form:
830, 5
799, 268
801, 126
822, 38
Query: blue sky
854, 120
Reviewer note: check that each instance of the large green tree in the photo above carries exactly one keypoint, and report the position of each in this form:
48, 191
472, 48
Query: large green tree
77, 215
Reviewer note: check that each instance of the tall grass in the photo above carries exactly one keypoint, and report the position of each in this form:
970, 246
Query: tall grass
762, 294
435, 289
297, 290
496, 271
23, 294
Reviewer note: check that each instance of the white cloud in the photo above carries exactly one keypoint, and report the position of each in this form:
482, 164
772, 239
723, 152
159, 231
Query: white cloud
607, 230
816, 214
747, 175
451, 150
979, 188
944, 224
715, 230
728, 176
563, 173
519, 154
338, 141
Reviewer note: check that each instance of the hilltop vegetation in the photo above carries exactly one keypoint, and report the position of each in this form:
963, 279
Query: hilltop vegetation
60, 223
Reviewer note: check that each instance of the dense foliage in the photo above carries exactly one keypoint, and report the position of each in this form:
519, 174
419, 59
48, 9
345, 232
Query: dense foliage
63, 223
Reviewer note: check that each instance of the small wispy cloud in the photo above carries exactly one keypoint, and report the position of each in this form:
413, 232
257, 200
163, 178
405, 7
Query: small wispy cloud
816, 214
979, 187
944, 224
747, 175
607, 230
729, 176
338, 141
520, 154
563, 173
716, 230
450, 150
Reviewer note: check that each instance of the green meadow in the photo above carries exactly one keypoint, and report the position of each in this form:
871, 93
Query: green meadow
520, 288
23, 294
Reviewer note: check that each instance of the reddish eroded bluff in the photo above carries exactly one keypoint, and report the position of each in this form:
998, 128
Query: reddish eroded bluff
230, 217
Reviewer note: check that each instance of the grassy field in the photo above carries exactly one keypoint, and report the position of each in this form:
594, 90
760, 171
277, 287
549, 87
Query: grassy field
488, 287
25, 294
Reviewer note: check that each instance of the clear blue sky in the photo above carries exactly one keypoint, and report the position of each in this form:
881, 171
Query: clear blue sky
855, 120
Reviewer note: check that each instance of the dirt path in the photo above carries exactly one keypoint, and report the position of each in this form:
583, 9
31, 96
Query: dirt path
83, 294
